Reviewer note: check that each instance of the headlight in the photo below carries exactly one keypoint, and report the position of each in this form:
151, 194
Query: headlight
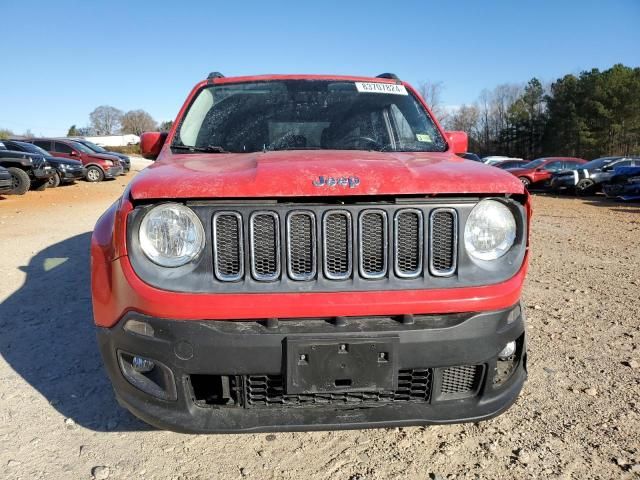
109, 163
171, 235
490, 230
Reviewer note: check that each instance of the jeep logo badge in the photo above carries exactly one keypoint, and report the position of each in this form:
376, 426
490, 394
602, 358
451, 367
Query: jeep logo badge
322, 181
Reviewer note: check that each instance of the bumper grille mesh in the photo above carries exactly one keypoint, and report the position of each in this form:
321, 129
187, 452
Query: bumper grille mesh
268, 391
460, 380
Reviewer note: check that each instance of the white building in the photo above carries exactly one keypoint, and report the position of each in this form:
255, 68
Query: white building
115, 140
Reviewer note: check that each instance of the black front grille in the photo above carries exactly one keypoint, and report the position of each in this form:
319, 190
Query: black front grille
443, 241
373, 244
301, 245
227, 238
409, 241
265, 252
337, 244
326, 244
268, 391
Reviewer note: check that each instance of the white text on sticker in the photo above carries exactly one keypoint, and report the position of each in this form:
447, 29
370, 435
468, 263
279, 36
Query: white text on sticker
372, 87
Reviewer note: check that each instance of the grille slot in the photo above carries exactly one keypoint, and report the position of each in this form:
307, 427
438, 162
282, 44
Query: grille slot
409, 242
301, 245
373, 243
265, 246
228, 253
268, 391
443, 233
462, 380
337, 243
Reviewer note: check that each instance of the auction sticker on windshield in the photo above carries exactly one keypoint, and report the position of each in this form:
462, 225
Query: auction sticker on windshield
372, 87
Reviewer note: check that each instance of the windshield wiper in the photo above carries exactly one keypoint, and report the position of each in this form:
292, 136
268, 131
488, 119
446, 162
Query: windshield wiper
207, 149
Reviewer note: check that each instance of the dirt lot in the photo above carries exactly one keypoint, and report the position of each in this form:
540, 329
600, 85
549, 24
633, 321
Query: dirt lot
578, 417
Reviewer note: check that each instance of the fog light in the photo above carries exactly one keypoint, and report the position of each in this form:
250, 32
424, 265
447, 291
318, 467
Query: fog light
508, 350
142, 365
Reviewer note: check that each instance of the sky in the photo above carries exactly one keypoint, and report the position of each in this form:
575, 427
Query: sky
62, 59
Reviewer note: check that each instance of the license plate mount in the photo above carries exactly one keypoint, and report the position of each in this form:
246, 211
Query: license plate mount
330, 365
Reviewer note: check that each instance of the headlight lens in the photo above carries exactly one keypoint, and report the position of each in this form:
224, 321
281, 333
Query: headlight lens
490, 230
171, 235
108, 162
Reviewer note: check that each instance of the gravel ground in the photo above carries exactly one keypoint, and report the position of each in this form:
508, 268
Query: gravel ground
578, 416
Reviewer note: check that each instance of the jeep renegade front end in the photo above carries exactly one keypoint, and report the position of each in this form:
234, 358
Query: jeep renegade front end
309, 252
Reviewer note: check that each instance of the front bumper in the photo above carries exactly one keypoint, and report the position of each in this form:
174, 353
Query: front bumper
43, 173
113, 172
70, 175
231, 376
563, 183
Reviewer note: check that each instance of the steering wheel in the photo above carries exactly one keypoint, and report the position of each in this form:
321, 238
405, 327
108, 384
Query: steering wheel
363, 138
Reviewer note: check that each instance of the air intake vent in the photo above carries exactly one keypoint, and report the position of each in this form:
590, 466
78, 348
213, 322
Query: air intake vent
443, 232
373, 244
301, 245
408, 243
265, 246
460, 381
227, 245
337, 245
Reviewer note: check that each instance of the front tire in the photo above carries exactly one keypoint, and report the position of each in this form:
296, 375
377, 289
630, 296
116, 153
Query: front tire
20, 181
586, 186
54, 181
525, 181
95, 174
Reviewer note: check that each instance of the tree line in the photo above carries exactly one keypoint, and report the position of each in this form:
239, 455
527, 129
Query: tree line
590, 115
108, 120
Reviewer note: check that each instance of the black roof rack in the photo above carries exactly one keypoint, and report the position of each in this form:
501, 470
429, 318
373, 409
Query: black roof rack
213, 75
390, 76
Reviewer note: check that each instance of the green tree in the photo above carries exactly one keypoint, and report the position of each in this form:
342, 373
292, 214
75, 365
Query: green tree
73, 131
5, 134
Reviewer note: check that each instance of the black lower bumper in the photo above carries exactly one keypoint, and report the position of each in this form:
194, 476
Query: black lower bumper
71, 175
6, 183
231, 376
113, 172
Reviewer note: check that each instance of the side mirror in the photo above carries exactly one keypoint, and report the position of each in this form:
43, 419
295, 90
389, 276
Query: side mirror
540, 169
151, 143
458, 141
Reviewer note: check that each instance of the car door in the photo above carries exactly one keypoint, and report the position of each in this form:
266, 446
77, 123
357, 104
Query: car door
44, 144
63, 150
544, 174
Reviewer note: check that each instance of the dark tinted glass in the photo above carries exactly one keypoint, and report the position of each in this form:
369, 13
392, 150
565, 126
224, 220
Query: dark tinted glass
62, 148
45, 144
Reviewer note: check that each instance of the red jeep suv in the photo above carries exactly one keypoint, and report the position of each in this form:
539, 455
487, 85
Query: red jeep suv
309, 252
98, 166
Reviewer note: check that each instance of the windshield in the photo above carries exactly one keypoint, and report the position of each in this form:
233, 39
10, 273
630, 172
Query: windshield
35, 149
598, 163
308, 115
534, 163
93, 146
82, 148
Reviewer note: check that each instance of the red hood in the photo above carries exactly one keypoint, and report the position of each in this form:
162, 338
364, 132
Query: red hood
291, 174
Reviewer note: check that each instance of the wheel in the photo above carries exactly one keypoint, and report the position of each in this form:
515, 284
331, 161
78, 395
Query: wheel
525, 181
585, 186
40, 185
95, 174
54, 181
20, 181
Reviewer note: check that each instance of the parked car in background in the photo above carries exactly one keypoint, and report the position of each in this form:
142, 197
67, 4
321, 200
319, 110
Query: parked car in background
493, 159
66, 170
98, 166
588, 178
124, 159
6, 184
539, 171
471, 156
625, 183
506, 164
28, 170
